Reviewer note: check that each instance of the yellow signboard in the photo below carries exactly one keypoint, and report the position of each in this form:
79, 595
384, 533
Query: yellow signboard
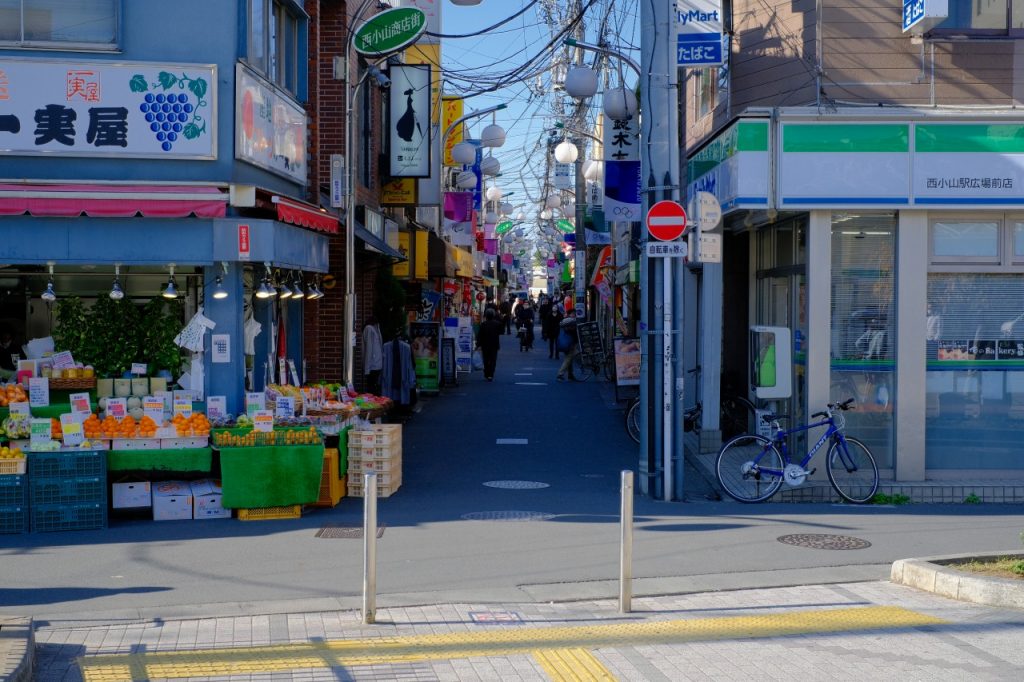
401, 270
420, 255
398, 192
451, 111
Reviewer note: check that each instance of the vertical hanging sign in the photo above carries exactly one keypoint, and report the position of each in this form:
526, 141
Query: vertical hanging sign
409, 121
699, 33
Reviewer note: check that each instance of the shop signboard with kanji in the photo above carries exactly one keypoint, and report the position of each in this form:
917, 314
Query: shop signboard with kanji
127, 110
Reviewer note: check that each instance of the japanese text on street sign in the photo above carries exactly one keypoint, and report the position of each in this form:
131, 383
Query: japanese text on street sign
699, 33
666, 249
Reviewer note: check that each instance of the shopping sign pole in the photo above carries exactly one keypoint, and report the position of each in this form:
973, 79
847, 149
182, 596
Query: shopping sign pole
666, 222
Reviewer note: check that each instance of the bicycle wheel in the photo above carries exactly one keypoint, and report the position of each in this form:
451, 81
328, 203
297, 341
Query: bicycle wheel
633, 420
749, 468
582, 368
735, 413
852, 470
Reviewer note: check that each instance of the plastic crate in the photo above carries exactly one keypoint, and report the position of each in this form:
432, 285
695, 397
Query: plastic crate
71, 464
382, 465
291, 511
384, 478
356, 489
13, 519
13, 490
365, 452
332, 485
385, 435
68, 490
55, 517
12, 466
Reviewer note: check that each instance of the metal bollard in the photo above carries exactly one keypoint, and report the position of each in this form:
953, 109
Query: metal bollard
626, 543
369, 548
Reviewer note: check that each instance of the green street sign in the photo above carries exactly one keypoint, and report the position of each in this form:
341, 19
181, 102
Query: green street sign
503, 227
565, 225
390, 31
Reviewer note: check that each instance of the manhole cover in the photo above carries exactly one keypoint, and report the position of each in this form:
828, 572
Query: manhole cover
508, 516
516, 485
345, 532
486, 617
821, 541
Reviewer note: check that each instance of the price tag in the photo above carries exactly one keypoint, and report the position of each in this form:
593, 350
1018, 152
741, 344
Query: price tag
39, 391
216, 406
71, 426
255, 402
263, 420
63, 360
140, 369
80, 404
182, 404
117, 407
40, 432
20, 408
153, 407
285, 407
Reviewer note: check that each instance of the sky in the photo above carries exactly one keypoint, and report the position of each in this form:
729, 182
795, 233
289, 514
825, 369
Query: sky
472, 64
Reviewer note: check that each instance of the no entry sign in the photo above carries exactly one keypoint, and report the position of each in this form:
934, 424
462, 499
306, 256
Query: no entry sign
666, 220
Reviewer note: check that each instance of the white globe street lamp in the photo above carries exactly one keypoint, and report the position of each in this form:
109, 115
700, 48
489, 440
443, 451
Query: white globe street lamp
466, 3
620, 104
581, 82
494, 193
553, 201
566, 152
505, 208
464, 153
490, 166
545, 214
465, 180
492, 136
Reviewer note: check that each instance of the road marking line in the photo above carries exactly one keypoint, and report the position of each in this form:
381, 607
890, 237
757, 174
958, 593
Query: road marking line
512, 441
531, 383
524, 374
489, 642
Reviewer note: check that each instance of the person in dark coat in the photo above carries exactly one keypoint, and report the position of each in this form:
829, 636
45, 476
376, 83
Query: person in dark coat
506, 315
488, 340
550, 326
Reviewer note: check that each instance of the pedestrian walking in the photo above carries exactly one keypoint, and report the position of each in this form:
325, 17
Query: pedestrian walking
488, 340
568, 329
550, 325
505, 309
524, 325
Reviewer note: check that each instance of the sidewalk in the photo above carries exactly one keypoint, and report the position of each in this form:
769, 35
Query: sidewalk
854, 631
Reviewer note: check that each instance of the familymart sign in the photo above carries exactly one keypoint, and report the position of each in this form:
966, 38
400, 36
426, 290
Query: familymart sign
390, 31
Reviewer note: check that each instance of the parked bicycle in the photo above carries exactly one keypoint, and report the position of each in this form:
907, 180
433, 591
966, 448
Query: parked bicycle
753, 468
734, 417
585, 366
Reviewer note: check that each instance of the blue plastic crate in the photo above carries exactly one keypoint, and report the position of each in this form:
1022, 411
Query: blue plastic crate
53, 517
68, 490
67, 464
13, 519
12, 490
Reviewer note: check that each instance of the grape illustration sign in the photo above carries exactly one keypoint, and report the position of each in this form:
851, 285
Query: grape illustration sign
126, 110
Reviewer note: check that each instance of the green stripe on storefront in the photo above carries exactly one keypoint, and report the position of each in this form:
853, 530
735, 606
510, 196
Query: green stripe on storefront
752, 136
743, 136
811, 137
1000, 139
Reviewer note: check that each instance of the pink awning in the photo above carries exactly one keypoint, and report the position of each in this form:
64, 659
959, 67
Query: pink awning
305, 215
112, 201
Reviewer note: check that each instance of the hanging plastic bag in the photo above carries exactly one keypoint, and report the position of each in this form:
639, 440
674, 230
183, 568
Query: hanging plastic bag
478, 360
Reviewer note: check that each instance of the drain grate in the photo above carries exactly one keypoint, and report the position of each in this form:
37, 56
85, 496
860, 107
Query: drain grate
516, 485
508, 516
345, 532
822, 541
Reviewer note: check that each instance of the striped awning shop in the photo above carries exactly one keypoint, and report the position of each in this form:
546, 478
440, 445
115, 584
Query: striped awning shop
112, 201
305, 215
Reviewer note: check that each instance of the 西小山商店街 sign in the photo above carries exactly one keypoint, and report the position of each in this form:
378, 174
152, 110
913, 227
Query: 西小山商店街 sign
390, 31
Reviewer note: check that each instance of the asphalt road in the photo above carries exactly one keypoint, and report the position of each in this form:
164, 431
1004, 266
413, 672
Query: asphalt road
449, 537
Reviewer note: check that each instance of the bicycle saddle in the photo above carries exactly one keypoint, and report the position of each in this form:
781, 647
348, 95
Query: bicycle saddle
774, 417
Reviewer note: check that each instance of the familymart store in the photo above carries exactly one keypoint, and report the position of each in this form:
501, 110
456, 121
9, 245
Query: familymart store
891, 245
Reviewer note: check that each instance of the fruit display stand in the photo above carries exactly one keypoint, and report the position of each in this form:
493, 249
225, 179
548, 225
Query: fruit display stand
145, 449
276, 469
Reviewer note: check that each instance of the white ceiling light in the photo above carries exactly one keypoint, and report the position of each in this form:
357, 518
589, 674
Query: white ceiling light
620, 104
581, 82
566, 152
490, 166
116, 292
464, 153
50, 295
494, 193
492, 136
466, 180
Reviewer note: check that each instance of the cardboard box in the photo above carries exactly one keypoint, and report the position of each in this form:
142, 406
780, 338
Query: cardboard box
172, 500
131, 495
206, 495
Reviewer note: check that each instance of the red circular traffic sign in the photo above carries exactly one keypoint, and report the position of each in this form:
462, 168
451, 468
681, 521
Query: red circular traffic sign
666, 220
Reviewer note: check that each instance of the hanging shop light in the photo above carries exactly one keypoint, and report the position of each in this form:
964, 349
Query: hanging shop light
116, 292
49, 295
171, 290
297, 293
219, 292
266, 290
283, 290
311, 290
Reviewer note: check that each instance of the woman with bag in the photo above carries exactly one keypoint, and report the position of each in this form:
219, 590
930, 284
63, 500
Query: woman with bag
488, 340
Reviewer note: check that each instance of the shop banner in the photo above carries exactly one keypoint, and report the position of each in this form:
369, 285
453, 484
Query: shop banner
409, 120
401, 269
451, 111
270, 129
627, 362
491, 247
622, 191
122, 110
430, 301
424, 337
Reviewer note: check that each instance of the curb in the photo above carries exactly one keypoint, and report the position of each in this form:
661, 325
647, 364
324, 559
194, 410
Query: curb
932, 574
17, 649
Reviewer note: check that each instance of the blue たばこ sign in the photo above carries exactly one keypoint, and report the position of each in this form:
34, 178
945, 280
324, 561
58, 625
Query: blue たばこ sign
699, 33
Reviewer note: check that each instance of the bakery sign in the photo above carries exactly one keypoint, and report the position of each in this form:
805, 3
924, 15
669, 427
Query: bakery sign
102, 109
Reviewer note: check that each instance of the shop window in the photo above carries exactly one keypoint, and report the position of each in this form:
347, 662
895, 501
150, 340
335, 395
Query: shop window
975, 378
983, 18
276, 45
711, 86
1018, 242
965, 241
90, 24
863, 343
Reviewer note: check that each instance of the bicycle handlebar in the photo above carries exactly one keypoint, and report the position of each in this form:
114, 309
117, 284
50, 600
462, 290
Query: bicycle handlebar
843, 406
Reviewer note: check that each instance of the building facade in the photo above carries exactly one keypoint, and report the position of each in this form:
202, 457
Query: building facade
871, 186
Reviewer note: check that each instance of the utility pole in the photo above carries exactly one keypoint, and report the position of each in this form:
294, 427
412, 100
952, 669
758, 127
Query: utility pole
659, 162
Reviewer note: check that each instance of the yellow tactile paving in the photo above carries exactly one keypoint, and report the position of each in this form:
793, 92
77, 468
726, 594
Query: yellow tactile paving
491, 642
577, 665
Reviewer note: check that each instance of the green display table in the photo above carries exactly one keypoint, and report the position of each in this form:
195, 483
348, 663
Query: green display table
178, 460
272, 476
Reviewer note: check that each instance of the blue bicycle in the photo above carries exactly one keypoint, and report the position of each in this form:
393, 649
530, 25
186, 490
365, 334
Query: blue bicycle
753, 468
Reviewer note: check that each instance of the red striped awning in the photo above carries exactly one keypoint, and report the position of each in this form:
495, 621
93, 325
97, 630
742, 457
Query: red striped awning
305, 215
112, 201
